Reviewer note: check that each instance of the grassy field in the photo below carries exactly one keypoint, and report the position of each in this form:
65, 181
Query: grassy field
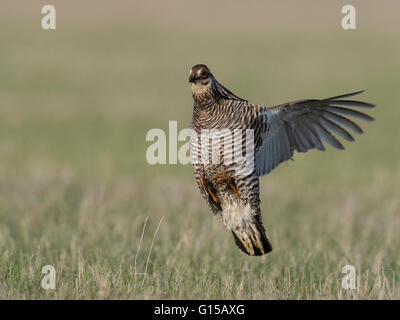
76, 191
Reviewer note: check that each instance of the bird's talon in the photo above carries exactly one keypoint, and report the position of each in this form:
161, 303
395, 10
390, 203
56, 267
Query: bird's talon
220, 177
205, 183
215, 199
233, 187
201, 181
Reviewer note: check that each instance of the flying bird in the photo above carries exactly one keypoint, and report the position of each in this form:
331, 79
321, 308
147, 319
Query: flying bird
231, 188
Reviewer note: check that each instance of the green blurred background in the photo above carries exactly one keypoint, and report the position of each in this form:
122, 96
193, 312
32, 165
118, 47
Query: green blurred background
75, 189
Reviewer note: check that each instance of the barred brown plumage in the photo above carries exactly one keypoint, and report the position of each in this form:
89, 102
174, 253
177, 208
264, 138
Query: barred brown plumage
231, 188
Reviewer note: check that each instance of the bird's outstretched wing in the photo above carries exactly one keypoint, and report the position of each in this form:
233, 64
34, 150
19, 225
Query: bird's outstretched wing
303, 125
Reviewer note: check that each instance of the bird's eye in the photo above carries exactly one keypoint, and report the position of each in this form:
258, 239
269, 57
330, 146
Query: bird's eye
204, 75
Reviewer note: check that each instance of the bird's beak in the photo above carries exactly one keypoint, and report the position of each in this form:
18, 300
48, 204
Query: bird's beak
192, 78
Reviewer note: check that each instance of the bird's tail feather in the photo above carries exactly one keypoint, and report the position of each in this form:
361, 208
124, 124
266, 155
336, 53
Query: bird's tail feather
252, 240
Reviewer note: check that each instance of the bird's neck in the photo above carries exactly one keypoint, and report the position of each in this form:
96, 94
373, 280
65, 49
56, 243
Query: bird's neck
205, 98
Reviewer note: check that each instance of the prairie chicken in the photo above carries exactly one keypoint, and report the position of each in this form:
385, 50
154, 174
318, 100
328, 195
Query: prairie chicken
231, 188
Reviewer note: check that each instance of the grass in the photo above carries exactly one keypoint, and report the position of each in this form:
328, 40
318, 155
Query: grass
75, 189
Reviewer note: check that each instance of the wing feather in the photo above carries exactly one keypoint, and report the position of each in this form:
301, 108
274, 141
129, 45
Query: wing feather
344, 122
336, 129
303, 125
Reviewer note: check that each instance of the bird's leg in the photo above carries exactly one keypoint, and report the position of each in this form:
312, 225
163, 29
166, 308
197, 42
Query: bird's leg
220, 177
207, 185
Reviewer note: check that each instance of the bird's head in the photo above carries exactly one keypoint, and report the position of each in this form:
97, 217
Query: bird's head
206, 87
200, 78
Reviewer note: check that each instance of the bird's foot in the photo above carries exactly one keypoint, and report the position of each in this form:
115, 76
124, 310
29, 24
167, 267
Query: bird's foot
206, 184
223, 178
